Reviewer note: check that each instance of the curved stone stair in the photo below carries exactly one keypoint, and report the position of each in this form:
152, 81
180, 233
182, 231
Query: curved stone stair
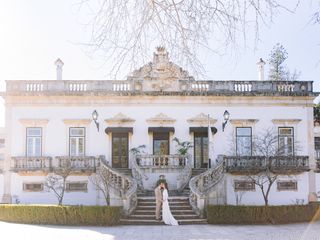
144, 214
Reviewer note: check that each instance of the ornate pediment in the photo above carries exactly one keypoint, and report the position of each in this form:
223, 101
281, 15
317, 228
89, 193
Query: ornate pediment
160, 74
201, 120
161, 119
119, 119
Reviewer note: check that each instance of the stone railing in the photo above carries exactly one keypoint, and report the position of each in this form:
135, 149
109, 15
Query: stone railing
161, 161
260, 163
137, 173
78, 163
31, 163
318, 164
124, 86
203, 184
125, 186
185, 175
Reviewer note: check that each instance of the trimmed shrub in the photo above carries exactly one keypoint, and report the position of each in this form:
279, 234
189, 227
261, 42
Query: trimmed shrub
60, 215
227, 214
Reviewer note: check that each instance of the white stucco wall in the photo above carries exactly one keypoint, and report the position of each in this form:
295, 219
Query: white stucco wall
275, 197
55, 136
56, 132
1, 185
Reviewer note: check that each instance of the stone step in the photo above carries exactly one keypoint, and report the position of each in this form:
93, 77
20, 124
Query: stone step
174, 212
173, 203
184, 198
153, 208
155, 222
151, 217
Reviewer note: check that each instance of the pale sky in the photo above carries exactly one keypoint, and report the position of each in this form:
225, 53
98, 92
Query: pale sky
34, 33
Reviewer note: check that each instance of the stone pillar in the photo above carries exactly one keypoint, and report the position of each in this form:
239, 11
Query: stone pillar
311, 152
6, 198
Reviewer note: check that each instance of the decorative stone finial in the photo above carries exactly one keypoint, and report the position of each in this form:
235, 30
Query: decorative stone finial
59, 65
261, 64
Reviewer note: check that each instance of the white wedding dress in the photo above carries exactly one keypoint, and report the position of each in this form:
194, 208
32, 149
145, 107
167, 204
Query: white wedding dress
166, 213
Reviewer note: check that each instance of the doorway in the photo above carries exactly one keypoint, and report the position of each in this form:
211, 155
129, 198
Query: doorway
201, 150
120, 150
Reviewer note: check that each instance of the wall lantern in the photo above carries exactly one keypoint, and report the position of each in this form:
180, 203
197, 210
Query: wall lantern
95, 118
226, 116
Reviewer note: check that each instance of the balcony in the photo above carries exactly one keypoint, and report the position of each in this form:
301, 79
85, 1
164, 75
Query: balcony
77, 163
161, 161
31, 164
256, 164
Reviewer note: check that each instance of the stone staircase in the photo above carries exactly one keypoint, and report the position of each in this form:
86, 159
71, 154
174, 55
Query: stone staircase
180, 208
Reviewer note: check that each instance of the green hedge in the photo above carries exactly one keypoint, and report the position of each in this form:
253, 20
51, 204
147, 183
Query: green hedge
60, 215
226, 214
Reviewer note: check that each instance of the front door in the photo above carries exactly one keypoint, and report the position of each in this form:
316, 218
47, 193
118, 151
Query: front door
201, 150
120, 150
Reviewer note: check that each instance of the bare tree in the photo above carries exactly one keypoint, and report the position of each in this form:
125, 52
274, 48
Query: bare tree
264, 167
102, 182
57, 181
126, 31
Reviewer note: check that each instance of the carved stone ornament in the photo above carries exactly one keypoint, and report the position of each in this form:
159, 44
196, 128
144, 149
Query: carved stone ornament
201, 120
34, 122
160, 74
286, 121
161, 119
119, 119
244, 122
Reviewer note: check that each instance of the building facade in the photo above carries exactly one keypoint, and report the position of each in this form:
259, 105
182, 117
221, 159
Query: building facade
50, 122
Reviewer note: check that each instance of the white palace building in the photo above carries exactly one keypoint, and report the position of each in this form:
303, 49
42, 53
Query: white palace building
49, 122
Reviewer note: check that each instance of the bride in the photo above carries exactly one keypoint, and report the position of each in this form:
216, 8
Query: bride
166, 213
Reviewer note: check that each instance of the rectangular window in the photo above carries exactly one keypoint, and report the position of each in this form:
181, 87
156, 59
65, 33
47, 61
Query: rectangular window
77, 187
161, 143
244, 186
34, 142
287, 186
2, 142
286, 146
33, 187
244, 141
317, 147
77, 141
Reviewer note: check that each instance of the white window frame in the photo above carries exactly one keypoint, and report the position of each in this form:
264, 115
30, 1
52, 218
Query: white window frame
242, 136
286, 137
34, 141
85, 189
77, 138
33, 190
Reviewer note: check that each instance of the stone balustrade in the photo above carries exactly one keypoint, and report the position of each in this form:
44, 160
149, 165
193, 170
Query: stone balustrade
201, 186
125, 186
161, 161
31, 163
78, 163
235, 164
135, 86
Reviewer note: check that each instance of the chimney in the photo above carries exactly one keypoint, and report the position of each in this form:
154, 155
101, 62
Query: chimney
59, 65
261, 64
